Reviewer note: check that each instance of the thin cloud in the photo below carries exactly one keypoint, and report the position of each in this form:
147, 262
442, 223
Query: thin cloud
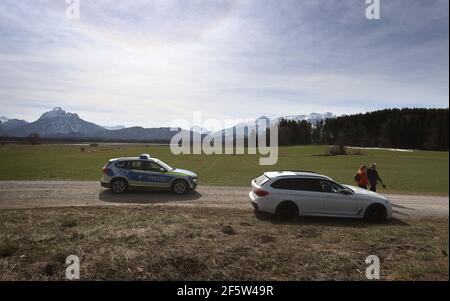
149, 62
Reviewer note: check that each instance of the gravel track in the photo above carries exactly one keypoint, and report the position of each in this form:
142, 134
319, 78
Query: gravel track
37, 194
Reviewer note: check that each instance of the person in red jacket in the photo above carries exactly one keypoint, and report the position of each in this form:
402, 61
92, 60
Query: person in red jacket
361, 177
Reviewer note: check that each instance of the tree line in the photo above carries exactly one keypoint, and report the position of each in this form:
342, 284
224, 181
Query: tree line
394, 128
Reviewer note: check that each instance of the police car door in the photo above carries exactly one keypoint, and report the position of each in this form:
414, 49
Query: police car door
136, 173
155, 175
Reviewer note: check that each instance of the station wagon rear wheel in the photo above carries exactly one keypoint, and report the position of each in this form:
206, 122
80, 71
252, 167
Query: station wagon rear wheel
286, 211
179, 187
119, 186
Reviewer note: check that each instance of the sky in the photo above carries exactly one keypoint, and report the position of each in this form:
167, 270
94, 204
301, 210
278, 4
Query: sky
147, 63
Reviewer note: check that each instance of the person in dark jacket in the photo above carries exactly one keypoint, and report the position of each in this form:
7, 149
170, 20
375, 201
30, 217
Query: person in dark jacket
374, 177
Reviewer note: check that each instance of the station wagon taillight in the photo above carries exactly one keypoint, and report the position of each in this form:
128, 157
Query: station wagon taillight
260, 192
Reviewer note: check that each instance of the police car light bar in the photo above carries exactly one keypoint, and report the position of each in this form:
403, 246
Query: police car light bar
144, 156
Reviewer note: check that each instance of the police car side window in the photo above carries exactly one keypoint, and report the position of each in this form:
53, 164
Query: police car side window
136, 165
150, 166
154, 166
123, 164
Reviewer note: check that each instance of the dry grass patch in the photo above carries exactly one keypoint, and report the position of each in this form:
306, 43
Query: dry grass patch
171, 243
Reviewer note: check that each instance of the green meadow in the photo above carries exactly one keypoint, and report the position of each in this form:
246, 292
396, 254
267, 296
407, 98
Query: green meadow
422, 172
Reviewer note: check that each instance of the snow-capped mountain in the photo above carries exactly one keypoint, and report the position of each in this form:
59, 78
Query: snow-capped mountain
312, 118
58, 122
243, 128
136, 133
11, 125
200, 130
114, 127
247, 127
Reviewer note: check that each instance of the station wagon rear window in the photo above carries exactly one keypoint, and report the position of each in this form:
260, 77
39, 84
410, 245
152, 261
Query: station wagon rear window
302, 184
261, 180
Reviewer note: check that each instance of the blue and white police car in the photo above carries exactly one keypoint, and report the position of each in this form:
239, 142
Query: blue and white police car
144, 171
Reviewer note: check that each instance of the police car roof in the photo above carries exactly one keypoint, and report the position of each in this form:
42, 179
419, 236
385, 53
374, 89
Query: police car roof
295, 173
133, 158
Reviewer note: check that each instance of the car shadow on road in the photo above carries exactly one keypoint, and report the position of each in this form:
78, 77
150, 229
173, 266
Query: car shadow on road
146, 197
328, 221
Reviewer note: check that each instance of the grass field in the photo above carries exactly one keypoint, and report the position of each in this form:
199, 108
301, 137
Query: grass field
421, 172
160, 243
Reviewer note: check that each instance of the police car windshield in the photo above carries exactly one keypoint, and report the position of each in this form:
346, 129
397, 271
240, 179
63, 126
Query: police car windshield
165, 166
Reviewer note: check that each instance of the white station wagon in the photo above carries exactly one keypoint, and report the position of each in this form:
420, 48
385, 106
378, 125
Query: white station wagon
288, 194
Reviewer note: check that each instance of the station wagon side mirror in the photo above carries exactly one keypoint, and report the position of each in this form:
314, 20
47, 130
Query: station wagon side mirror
162, 170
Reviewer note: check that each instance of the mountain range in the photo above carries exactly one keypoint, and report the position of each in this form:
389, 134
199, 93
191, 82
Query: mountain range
58, 123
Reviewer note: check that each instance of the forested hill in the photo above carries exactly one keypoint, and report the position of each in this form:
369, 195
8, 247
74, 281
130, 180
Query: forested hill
396, 128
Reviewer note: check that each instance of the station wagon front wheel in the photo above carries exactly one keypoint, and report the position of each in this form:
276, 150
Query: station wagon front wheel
119, 186
179, 187
375, 213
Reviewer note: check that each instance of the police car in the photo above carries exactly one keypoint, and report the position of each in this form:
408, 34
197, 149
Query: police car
146, 172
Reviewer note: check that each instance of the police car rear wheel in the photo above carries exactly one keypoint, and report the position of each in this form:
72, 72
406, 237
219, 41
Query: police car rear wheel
119, 186
179, 187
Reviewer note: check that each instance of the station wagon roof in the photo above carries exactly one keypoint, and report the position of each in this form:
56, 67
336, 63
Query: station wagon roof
289, 173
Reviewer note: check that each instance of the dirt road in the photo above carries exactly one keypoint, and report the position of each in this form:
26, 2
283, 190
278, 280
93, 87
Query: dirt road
34, 194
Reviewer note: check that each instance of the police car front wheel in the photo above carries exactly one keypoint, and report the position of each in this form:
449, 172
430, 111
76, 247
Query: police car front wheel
179, 187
